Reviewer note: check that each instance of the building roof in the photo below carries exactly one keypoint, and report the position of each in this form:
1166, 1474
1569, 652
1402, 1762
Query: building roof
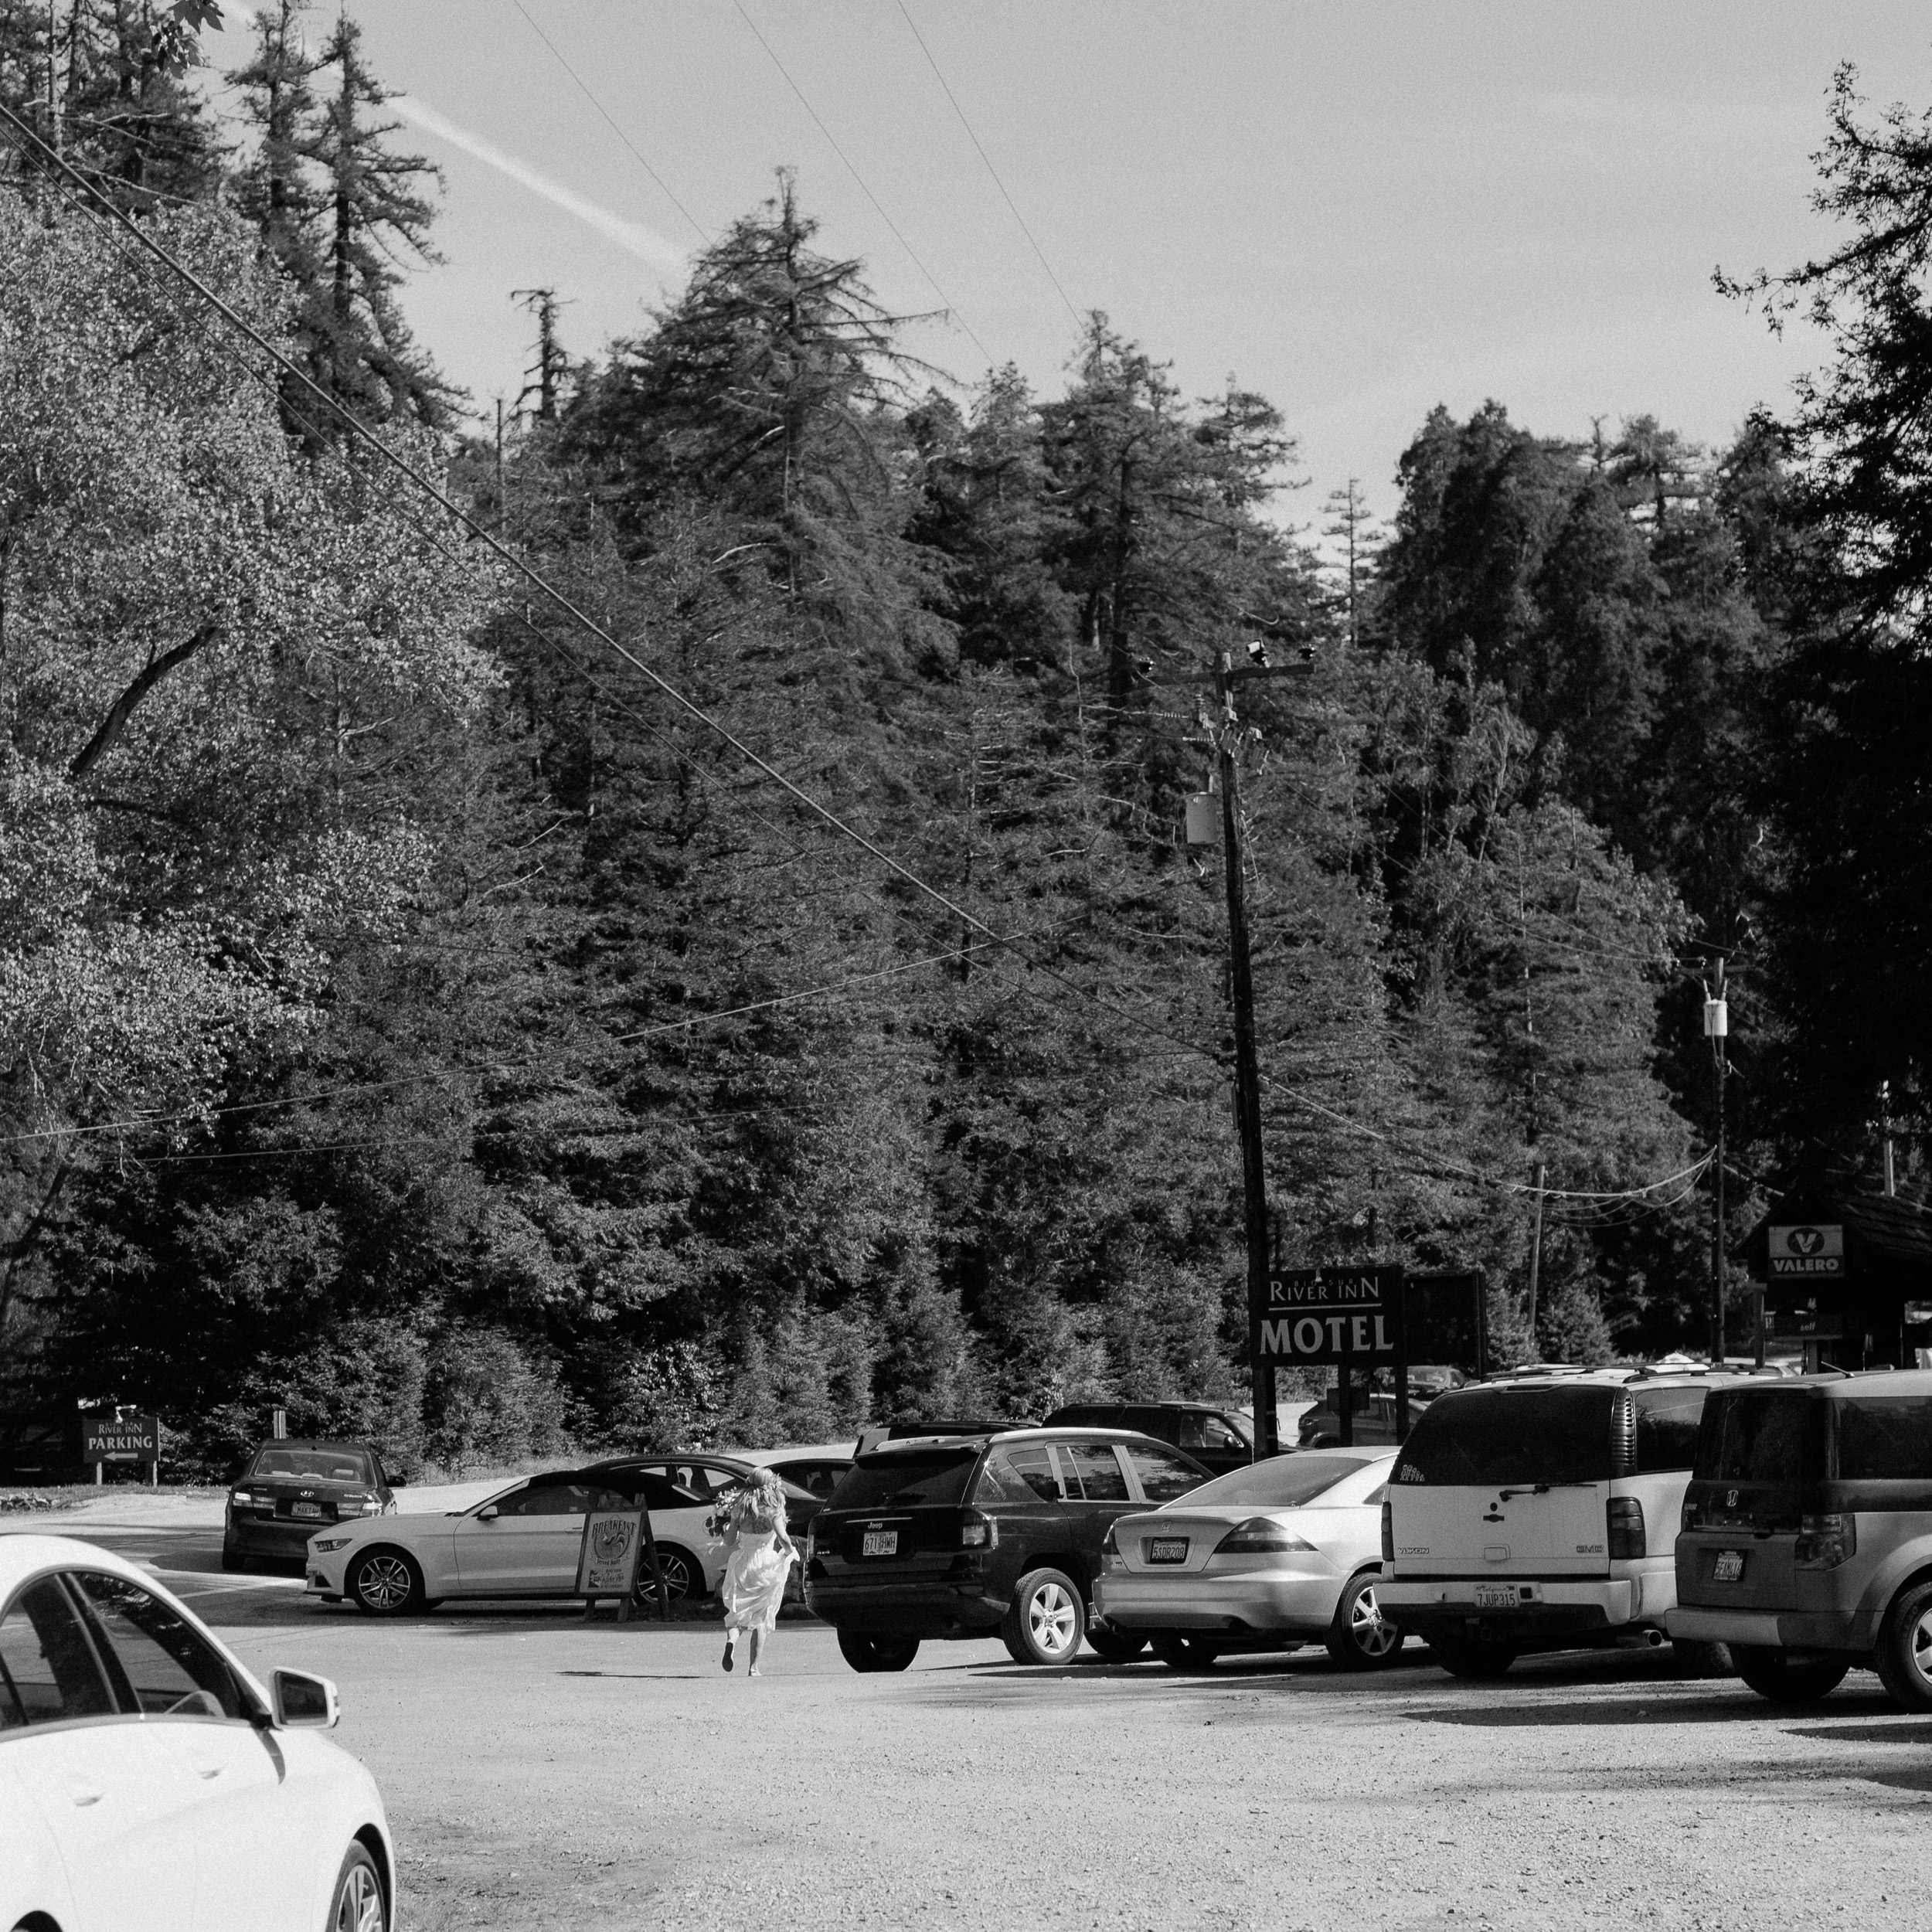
1882, 1231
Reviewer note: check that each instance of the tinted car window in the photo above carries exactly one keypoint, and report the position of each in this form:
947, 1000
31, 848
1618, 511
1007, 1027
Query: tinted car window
923, 1476
313, 1465
1884, 1437
1667, 1421
48, 1671
1096, 1468
1034, 1467
1761, 1435
1282, 1482
1163, 1476
999, 1482
1479, 1438
818, 1479
546, 1499
171, 1668
1208, 1432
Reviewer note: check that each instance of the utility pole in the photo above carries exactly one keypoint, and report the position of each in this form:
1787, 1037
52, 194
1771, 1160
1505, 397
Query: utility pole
502, 500
550, 367
1536, 1248
1717, 1026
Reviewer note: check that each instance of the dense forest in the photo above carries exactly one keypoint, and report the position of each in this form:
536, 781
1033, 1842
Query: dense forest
412, 1015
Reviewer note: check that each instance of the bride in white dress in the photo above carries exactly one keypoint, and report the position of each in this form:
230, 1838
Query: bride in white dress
759, 1554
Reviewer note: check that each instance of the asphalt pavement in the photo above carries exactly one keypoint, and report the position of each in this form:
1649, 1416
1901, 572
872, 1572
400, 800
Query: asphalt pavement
542, 1771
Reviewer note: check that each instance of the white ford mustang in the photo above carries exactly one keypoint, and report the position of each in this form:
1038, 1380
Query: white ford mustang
524, 1541
148, 1780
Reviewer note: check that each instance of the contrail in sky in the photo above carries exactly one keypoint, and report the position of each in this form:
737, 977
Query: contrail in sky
642, 241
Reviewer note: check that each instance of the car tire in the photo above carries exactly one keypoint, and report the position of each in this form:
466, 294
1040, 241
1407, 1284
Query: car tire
1361, 1637
233, 1561
384, 1582
359, 1904
1118, 1646
1903, 1654
683, 1577
1467, 1657
1186, 1650
1772, 1675
1047, 1619
869, 1654
1697, 1658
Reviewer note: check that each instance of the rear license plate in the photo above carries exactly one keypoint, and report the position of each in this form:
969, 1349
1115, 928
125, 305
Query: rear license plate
1167, 1549
880, 1543
1497, 1596
306, 1509
1728, 1567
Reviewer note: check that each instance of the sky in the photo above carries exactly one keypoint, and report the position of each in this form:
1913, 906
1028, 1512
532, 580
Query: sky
1360, 209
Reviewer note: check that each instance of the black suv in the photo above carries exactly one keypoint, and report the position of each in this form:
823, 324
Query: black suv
1217, 1438
978, 1535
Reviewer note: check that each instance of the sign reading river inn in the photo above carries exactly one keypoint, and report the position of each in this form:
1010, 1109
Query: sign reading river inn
1343, 1316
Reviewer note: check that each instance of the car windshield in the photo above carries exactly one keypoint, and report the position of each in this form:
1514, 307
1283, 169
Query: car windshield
313, 1465
1282, 1482
1477, 1438
897, 1480
1761, 1435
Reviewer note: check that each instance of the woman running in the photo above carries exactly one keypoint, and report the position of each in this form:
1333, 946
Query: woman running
759, 1554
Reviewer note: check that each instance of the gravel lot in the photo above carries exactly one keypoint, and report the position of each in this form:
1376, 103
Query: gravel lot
543, 1772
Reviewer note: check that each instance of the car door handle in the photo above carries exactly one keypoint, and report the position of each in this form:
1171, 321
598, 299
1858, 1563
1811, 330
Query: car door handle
84, 1793
207, 1767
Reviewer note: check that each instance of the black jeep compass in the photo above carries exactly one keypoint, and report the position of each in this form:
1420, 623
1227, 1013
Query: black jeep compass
980, 1535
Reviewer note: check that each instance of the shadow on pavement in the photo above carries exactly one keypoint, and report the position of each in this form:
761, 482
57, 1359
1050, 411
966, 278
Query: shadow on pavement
1904, 1731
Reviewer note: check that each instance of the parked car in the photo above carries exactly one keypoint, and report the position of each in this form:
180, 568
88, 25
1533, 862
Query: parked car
147, 1778
982, 1536
1806, 1538
1267, 1557
288, 1490
522, 1542
1541, 1514
712, 1476
1218, 1439
1373, 1411
814, 1467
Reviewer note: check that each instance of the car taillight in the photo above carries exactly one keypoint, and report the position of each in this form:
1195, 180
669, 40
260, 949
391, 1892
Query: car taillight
1110, 1562
978, 1532
1259, 1536
1687, 1517
1623, 1435
1388, 1532
1623, 1519
1825, 1542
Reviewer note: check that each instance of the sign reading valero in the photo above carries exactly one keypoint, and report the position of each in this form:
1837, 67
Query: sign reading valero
1344, 1315
607, 1560
1809, 1251
123, 1438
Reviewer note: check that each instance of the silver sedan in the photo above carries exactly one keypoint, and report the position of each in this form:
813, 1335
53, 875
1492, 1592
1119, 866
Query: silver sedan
1283, 1552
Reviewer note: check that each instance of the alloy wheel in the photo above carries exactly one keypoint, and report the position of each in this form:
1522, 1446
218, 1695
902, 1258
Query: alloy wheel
1920, 1649
359, 1906
1053, 1618
1374, 1635
384, 1583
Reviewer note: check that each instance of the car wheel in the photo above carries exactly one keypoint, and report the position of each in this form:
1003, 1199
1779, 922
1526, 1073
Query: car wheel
1118, 1646
233, 1560
1047, 1619
1904, 1651
1771, 1674
359, 1905
1464, 1657
1361, 1637
1186, 1650
870, 1654
385, 1582
1696, 1658
682, 1578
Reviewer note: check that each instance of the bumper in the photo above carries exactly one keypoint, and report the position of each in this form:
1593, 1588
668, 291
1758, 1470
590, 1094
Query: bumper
271, 1536
1298, 1606
1771, 1629
1567, 1610
936, 1609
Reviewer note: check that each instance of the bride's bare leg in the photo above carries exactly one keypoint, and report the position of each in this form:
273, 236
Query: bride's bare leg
757, 1644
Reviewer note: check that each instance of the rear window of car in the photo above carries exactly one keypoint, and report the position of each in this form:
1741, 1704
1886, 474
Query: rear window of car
1761, 1435
313, 1465
1282, 1482
1884, 1438
1477, 1438
902, 1480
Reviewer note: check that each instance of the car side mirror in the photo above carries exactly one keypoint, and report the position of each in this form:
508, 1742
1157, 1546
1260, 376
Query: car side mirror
399, 1482
301, 1699
487, 1513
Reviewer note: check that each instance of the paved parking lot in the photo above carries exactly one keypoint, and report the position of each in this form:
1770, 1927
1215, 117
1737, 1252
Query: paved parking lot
543, 1772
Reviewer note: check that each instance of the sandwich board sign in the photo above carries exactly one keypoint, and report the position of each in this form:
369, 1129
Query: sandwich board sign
1807, 1252
608, 1558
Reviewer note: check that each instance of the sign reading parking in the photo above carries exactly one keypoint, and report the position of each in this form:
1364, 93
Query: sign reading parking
1351, 1318
120, 1439
1812, 1251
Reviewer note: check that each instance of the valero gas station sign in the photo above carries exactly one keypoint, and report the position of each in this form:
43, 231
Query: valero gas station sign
1806, 1252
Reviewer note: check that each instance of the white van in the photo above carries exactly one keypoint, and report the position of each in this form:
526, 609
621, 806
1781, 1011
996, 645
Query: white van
1541, 1513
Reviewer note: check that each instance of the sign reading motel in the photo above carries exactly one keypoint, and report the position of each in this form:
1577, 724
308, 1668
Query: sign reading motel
1344, 1316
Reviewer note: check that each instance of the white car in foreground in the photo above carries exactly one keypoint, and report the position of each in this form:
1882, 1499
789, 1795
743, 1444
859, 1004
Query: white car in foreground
149, 1783
1283, 1552
523, 1541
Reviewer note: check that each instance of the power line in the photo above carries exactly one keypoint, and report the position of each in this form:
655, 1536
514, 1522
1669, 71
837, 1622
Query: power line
951, 307
1080, 320
664, 186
